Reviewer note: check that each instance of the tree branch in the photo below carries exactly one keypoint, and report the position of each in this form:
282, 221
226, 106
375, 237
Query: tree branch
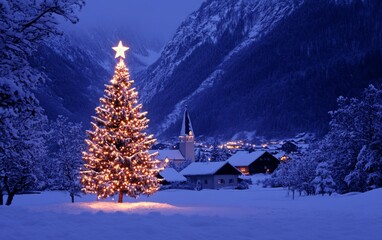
37, 18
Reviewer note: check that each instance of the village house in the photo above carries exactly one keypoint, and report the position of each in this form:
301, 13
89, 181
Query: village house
289, 147
211, 175
254, 162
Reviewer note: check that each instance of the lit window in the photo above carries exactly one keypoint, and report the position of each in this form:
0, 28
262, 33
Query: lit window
244, 170
221, 181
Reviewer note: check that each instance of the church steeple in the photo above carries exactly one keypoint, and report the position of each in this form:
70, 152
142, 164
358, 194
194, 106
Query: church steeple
186, 129
186, 144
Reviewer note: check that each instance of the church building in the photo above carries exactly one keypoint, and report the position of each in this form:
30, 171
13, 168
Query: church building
185, 153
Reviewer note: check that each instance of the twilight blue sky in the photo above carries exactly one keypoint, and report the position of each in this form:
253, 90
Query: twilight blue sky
158, 17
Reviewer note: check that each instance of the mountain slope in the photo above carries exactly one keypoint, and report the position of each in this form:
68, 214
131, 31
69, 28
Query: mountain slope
78, 65
270, 67
203, 44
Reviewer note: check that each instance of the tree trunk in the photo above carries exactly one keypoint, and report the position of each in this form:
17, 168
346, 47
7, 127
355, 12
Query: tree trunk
72, 196
1, 197
293, 194
10, 198
120, 197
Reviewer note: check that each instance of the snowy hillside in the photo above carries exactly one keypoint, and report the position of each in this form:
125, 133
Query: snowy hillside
208, 214
80, 62
248, 20
255, 62
210, 24
78, 65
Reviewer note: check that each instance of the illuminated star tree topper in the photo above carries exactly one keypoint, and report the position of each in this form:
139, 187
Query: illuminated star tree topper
120, 50
117, 160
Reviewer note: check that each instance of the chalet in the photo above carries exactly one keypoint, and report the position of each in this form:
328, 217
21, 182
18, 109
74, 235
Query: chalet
171, 176
211, 175
254, 162
289, 147
185, 153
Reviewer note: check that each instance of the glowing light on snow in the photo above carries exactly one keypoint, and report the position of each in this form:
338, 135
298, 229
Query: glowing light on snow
128, 207
120, 50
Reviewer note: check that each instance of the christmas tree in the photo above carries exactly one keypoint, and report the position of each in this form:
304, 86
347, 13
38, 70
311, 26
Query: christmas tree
117, 160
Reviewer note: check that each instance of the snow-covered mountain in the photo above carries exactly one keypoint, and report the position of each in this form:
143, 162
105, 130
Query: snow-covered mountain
248, 20
245, 68
224, 29
78, 65
264, 67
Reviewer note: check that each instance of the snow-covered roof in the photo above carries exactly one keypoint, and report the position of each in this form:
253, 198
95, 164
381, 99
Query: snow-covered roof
203, 168
244, 158
303, 145
171, 175
279, 154
167, 153
274, 147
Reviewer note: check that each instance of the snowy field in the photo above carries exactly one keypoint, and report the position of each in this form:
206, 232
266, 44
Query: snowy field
256, 213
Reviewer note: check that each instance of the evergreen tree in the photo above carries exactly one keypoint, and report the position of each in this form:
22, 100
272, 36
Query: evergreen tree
215, 152
117, 160
368, 121
350, 154
202, 156
219, 154
323, 182
354, 141
348, 158
368, 171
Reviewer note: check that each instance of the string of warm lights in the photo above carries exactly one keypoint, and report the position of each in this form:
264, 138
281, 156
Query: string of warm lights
117, 160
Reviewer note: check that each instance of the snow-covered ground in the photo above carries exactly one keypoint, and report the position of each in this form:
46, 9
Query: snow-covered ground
256, 213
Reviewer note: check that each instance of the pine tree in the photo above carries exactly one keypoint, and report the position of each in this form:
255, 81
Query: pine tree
215, 153
324, 182
353, 143
219, 154
117, 160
